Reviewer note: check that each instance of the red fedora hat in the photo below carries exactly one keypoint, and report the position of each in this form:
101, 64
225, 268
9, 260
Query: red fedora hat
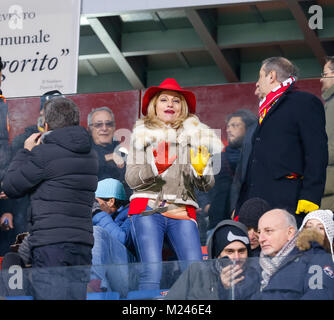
169, 84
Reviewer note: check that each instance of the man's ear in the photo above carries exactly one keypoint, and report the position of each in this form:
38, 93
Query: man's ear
273, 76
291, 232
111, 202
46, 127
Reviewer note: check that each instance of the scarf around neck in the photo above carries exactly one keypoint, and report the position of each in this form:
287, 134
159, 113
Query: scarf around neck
273, 96
270, 265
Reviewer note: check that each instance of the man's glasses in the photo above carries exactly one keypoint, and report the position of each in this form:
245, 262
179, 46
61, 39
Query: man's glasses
323, 74
99, 125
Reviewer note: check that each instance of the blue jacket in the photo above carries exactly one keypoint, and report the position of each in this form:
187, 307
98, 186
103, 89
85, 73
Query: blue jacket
304, 275
117, 225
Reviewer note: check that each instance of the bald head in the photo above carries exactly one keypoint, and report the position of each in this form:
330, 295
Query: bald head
276, 228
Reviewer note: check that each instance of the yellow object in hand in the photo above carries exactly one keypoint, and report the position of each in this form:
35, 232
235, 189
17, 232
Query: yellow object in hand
200, 159
306, 206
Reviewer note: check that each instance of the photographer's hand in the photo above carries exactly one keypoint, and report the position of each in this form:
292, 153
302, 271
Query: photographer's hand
33, 141
229, 274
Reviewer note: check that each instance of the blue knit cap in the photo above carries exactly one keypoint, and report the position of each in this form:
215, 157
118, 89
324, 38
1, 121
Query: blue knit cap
110, 188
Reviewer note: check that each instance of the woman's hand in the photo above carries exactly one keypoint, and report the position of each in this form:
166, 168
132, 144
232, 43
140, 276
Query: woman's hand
162, 160
200, 159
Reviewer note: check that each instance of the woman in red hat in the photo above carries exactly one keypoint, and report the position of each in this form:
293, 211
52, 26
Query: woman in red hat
170, 155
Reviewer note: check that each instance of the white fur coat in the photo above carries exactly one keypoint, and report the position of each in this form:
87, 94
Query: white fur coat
193, 132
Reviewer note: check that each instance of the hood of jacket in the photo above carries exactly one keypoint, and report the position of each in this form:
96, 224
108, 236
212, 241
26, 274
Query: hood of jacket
220, 225
193, 133
73, 138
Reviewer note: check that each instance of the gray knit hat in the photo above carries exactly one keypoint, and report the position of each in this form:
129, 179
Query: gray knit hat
326, 218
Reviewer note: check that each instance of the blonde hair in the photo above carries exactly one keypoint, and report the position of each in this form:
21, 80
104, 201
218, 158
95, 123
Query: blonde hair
151, 120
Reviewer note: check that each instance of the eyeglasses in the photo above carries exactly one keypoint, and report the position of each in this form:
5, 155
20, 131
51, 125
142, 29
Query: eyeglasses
99, 125
323, 74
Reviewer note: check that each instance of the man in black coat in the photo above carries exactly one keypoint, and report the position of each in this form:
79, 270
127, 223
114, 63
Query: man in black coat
287, 164
59, 171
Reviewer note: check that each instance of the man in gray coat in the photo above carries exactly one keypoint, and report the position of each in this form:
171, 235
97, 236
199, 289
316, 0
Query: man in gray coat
327, 89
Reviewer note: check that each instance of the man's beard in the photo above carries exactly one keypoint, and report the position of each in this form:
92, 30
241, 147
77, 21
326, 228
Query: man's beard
236, 143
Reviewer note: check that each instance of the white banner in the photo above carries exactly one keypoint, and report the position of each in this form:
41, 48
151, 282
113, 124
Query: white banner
39, 46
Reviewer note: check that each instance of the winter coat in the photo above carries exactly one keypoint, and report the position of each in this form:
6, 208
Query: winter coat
177, 183
307, 273
19, 140
220, 208
61, 177
327, 201
117, 225
109, 169
201, 281
290, 140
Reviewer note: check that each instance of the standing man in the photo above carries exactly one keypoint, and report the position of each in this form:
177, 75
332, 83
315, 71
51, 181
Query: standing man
59, 171
6, 205
287, 164
224, 194
327, 89
102, 125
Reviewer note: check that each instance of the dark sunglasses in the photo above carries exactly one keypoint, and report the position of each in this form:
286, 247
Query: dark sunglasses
99, 125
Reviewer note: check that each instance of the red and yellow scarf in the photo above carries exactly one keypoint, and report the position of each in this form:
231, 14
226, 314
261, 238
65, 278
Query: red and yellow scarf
272, 97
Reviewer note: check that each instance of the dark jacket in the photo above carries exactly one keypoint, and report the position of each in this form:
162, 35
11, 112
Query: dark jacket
241, 169
6, 206
61, 177
109, 169
220, 194
291, 140
303, 275
18, 142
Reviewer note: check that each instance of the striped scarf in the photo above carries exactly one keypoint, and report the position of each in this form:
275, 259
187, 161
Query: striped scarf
272, 97
270, 265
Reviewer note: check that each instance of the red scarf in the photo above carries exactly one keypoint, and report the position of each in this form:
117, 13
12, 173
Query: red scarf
272, 97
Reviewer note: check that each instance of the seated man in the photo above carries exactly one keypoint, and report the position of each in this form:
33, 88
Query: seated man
111, 227
211, 279
288, 273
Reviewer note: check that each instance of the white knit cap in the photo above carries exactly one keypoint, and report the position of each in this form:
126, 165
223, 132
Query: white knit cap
326, 218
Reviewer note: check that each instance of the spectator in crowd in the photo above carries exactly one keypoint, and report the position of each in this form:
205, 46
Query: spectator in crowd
20, 206
318, 226
59, 171
112, 157
6, 205
170, 155
111, 238
249, 214
282, 168
327, 88
286, 271
223, 195
209, 280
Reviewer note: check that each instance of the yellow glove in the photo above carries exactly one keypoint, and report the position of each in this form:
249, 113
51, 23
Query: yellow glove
200, 160
306, 206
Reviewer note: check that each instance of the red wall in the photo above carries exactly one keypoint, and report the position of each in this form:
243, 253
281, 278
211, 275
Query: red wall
213, 104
